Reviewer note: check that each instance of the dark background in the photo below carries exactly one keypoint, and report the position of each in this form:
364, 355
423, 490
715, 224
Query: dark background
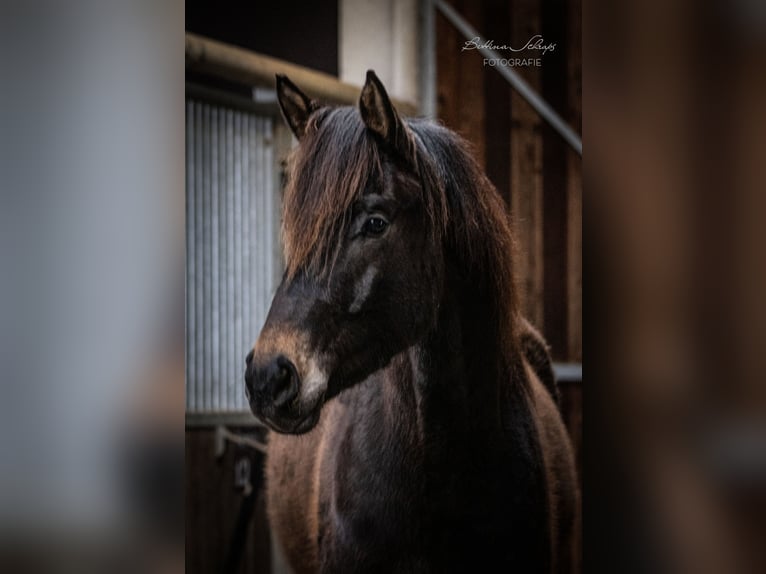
304, 33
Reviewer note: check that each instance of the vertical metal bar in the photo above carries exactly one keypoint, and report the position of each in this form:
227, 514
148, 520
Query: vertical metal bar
199, 303
251, 327
268, 192
268, 221
215, 263
244, 285
206, 256
224, 236
258, 222
191, 327
427, 59
238, 345
261, 262
252, 245
255, 236
230, 277
222, 254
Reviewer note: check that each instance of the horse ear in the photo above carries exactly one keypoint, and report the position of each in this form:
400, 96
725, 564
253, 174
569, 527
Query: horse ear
380, 116
296, 106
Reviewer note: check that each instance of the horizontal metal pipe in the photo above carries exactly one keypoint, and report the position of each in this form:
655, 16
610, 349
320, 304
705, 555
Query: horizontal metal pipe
240, 65
213, 419
568, 372
218, 97
514, 79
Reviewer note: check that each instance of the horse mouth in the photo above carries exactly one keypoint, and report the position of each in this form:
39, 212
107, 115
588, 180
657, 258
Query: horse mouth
292, 420
287, 425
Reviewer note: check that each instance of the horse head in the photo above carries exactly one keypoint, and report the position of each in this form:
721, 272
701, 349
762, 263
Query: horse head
364, 261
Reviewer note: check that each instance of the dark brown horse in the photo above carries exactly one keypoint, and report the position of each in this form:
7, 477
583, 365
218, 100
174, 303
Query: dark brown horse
412, 430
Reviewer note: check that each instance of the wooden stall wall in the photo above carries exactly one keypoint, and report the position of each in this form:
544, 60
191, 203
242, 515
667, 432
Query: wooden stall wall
536, 172
226, 526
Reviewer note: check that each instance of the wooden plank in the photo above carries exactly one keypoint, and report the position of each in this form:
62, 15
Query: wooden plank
526, 169
460, 80
239, 65
447, 89
497, 98
471, 74
572, 394
574, 183
554, 77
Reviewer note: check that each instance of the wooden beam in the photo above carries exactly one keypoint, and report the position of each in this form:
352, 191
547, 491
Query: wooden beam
526, 160
243, 66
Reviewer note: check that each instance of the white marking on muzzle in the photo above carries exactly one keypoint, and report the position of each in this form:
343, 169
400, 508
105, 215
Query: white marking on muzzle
362, 289
314, 382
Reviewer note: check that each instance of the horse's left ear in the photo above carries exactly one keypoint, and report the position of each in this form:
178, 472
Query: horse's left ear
380, 116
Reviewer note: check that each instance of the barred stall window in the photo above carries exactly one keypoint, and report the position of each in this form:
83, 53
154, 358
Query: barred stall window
233, 262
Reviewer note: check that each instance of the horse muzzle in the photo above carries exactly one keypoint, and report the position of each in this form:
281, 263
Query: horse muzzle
275, 381
276, 393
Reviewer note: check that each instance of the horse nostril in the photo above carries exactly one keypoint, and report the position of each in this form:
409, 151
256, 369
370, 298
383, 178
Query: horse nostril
249, 358
283, 382
274, 382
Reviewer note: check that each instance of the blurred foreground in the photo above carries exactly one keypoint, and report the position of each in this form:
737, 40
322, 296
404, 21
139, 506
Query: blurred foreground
676, 158
91, 286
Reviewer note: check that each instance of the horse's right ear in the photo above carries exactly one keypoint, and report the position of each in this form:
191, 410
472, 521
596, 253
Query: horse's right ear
296, 106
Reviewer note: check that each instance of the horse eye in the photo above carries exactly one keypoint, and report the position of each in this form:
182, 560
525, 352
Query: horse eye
374, 226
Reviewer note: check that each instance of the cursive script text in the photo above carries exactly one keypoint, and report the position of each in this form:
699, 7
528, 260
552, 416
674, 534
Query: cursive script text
536, 42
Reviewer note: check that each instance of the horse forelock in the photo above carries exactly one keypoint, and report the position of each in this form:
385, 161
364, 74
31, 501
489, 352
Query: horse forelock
328, 171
